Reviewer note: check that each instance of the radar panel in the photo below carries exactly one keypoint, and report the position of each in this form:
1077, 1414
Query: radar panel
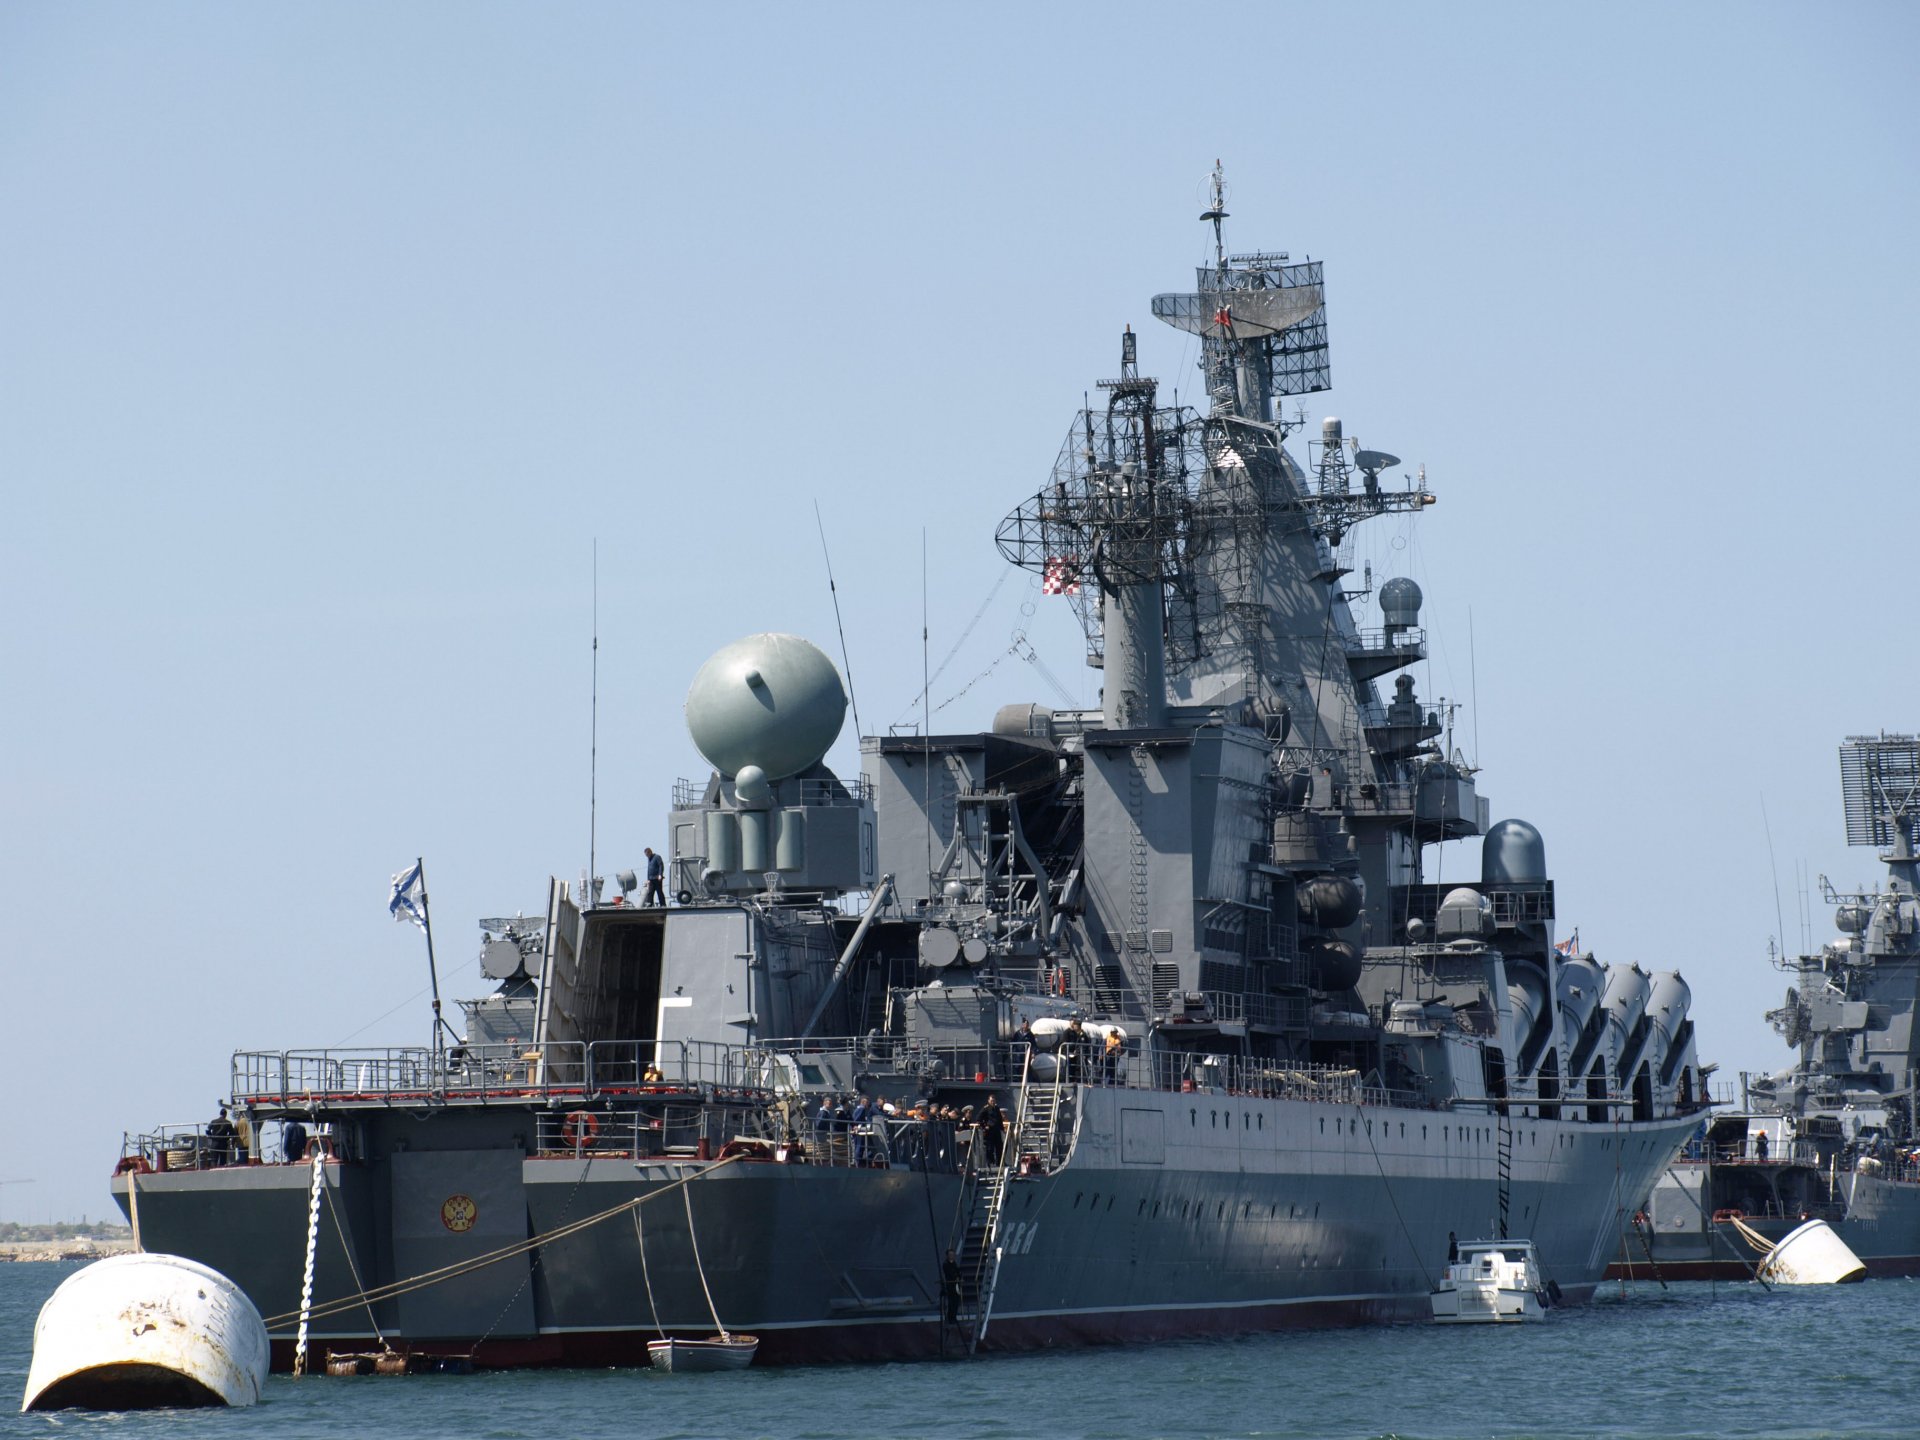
1276, 309
1880, 785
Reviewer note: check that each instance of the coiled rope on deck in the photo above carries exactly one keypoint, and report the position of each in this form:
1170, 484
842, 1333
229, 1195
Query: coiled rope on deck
493, 1257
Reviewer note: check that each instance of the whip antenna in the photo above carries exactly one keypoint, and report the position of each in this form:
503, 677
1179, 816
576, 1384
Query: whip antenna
1779, 918
593, 728
846, 662
926, 716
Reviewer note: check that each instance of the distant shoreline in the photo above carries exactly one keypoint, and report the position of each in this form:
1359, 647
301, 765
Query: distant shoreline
79, 1247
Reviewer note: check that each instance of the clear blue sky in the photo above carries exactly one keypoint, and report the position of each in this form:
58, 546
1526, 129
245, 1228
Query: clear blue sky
333, 338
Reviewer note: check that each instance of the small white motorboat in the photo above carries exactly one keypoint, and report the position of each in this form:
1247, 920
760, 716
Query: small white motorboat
143, 1332
723, 1352
1493, 1282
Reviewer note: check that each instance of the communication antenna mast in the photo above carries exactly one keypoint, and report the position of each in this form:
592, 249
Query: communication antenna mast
1217, 212
593, 728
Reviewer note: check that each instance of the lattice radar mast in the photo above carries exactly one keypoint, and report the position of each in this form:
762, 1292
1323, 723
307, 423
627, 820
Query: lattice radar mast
1169, 512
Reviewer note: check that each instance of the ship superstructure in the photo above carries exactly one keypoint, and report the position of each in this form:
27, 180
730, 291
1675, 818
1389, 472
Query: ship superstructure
1832, 1136
1147, 1015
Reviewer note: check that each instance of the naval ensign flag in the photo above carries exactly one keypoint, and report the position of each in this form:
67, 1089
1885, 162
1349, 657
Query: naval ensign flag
408, 900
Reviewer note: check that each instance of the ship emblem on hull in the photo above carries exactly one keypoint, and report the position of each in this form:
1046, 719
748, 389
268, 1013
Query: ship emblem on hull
458, 1212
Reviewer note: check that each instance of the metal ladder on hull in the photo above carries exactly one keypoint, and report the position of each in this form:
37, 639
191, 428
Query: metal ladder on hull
1034, 1134
1503, 1159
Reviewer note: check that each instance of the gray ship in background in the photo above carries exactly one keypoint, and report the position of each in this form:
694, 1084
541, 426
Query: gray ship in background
1831, 1137
1149, 1016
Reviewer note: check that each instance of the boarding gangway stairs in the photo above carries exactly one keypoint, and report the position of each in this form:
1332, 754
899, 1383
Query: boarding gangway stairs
1032, 1150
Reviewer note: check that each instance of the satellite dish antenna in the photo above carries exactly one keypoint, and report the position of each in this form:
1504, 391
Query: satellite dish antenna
1371, 463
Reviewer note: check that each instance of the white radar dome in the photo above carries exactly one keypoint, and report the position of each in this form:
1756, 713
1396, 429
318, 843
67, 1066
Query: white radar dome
771, 701
1400, 602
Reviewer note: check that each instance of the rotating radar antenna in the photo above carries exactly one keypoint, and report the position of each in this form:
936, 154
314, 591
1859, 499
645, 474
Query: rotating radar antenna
1880, 787
1261, 319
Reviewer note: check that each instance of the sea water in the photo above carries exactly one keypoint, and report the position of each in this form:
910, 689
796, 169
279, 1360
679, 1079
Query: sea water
1694, 1359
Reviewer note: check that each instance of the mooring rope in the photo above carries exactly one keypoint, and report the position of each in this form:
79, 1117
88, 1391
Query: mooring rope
1752, 1236
699, 1268
646, 1278
353, 1270
1387, 1185
313, 1245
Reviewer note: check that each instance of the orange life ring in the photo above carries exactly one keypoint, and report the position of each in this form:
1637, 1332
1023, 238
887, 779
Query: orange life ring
580, 1128
133, 1164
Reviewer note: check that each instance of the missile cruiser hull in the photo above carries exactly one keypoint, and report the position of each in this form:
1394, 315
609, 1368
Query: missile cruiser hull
1311, 1225
1124, 1023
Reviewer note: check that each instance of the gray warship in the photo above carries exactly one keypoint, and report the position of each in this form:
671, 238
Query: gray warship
1125, 1023
1832, 1136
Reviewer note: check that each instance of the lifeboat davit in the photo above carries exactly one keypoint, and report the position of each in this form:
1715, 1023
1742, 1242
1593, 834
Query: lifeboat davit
146, 1332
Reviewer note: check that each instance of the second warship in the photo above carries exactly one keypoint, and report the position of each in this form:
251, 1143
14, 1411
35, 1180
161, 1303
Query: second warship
1129, 1022
1831, 1137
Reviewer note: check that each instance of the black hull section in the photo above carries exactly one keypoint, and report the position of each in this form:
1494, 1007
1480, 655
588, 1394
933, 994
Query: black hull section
1254, 1215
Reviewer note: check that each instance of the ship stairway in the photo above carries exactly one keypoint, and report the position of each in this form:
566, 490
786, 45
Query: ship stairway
1504, 1161
975, 1251
1031, 1150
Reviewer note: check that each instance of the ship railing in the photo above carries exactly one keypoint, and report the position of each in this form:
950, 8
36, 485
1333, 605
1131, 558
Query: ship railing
1141, 1068
1379, 640
904, 1056
692, 794
300, 1079
603, 1131
693, 1129
171, 1147
655, 1065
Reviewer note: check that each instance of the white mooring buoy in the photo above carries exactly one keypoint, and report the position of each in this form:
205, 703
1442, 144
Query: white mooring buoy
145, 1332
1812, 1255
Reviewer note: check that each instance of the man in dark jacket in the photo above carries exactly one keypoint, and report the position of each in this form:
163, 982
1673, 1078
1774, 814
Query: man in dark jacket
993, 1129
